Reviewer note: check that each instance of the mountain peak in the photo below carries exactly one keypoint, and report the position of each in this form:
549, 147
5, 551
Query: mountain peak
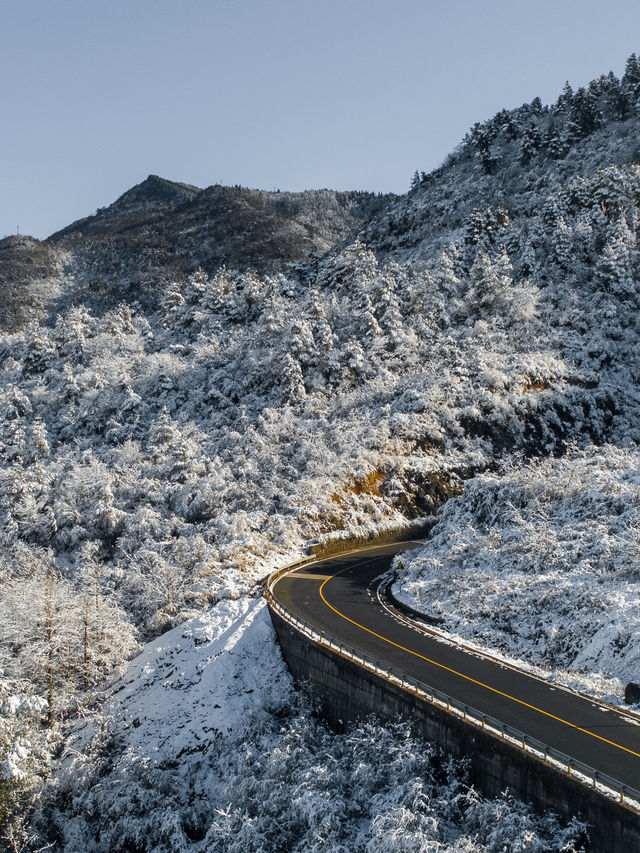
153, 192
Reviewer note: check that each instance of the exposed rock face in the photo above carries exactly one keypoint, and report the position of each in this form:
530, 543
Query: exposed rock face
632, 693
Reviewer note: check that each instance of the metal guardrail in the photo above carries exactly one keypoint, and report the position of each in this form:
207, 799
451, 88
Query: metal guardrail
550, 756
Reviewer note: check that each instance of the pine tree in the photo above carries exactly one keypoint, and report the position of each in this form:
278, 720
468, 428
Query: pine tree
530, 144
354, 267
490, 280
70, 333
486, 161
562, 241
272, 318
614, 270
388, 310
217, 296
322, 333
39, 440
584, 116
39, 349
196, 287
563, 104
444, 274
366, 322
631, 79
529, 261
301, 344
353, 359
556, 143
172, 303
106, 517
294, 390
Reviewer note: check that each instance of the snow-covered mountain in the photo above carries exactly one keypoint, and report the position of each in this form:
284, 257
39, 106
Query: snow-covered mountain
217, 396
160, 231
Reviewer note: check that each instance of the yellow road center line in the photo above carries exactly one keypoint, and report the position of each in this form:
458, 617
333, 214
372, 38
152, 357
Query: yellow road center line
472, 680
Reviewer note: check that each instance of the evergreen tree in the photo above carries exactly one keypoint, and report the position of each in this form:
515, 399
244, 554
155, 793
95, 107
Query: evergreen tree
444, 273
556, 143
631, 78
217, 295
530, 144
490, 279
614, 269
70, 333
294, 390
562, 241
301, 344
367, 326
563, 104
196, 287
388, 310
39, 349
322, 333
529, 261
172, 303
353, 359
584, 116
486, 161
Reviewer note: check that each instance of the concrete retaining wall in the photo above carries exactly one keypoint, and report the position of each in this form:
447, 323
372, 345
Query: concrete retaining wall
347, 692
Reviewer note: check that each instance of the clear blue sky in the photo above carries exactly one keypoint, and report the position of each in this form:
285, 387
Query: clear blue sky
357, 94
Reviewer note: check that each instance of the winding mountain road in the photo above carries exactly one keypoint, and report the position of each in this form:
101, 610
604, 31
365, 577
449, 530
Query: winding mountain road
340, 597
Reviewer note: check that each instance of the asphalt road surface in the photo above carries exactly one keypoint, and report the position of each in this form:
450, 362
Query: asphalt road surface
339, 596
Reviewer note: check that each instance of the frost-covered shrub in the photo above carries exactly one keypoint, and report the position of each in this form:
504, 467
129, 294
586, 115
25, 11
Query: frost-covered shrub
542, 562
289, 784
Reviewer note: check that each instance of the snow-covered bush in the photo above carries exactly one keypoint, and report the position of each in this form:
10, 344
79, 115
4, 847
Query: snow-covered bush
542, 563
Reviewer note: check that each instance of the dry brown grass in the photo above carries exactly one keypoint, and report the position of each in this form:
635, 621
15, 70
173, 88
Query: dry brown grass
533, 385
368, 484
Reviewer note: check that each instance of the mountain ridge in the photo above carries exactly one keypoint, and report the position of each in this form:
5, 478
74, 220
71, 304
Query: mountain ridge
160, 230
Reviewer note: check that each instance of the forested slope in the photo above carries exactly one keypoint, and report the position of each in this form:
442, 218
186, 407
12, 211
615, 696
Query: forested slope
159, 457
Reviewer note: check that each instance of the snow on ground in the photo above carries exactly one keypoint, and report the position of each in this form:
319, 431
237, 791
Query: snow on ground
205, 746
200, 681
542, 564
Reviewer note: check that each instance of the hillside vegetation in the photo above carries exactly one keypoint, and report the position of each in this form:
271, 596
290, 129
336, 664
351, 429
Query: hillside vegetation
164, 446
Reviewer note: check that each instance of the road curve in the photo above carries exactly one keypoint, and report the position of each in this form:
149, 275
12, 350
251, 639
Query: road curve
338, 596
